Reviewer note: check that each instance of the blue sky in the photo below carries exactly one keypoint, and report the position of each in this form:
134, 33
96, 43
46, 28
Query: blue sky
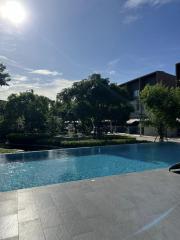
62, 41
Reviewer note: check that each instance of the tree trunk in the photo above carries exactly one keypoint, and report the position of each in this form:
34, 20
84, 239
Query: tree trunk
94, 128
161, 133
111, 127
98, 129
75, 127
99, 132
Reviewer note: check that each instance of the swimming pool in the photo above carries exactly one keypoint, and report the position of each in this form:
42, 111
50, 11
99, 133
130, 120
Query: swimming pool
24, 170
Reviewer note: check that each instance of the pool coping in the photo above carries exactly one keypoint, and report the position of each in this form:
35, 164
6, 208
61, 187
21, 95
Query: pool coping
89, 180
59, 149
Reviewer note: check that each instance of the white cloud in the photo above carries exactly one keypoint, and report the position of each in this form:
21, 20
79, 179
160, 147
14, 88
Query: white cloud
23, 82
7, 60
21, 78
46, 72
111, 68
3, 58
112, 72
132, 5
10, 62
137, 3
48, 89
51, 89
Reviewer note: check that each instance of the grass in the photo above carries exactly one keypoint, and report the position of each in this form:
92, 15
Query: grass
96, 142
4, 150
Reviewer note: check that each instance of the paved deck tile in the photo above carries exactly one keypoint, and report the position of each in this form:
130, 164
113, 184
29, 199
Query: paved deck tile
138, 206
31, 230
57, 233
8, 226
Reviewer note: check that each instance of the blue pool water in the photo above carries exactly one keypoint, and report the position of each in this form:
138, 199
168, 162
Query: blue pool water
24, 170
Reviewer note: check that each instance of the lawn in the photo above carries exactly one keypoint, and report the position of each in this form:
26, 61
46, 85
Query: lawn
4, 150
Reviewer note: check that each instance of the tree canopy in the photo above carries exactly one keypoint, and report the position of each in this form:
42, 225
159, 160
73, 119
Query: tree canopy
94, 100
162, 105
27, 112
4, 75
88, 104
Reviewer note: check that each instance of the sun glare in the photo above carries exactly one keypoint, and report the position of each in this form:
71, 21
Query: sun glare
14, 12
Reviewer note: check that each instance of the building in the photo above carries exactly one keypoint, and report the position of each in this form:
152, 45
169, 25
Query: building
178, 74
134, 88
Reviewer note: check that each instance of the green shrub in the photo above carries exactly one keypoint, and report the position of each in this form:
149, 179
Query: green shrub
26, 138
72, 138
96, 142
112, 137
49, 141
52, 142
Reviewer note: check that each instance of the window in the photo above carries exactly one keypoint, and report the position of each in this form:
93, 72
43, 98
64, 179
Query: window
136, 93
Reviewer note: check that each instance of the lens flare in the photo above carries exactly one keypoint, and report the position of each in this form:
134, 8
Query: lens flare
14, 12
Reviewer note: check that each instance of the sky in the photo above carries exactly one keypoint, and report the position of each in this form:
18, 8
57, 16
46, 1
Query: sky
59, 42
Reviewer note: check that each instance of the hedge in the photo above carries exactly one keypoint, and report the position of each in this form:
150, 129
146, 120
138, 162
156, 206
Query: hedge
26, 138
72, 138
112, 137
52, 142
96, 142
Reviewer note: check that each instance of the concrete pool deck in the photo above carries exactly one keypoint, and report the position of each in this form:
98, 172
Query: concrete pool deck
140, 206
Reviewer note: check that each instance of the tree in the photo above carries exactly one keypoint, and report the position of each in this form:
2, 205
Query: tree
4, 76
2, 113
94, 100
55, 123
27, 112
162, 105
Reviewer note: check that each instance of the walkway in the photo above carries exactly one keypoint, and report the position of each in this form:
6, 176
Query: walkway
137, 206
150, 138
